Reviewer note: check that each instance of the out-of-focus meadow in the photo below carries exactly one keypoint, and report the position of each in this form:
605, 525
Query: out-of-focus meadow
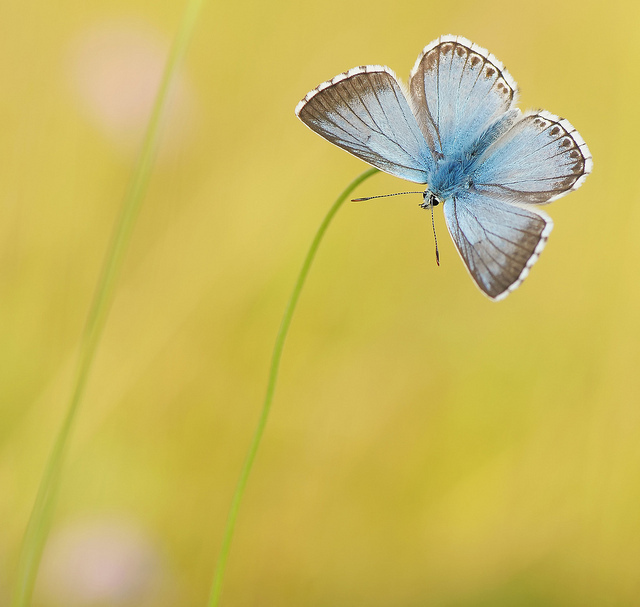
426, 446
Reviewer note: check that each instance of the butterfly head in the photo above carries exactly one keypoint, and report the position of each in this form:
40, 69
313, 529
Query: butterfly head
430, 200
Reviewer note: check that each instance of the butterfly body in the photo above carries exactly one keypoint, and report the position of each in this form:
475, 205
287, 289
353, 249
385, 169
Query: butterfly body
456, 130
450, 176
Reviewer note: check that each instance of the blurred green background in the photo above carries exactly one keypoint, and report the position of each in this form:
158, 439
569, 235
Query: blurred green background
427, 447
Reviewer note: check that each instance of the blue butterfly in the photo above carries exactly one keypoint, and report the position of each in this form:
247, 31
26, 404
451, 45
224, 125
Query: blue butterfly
456, 130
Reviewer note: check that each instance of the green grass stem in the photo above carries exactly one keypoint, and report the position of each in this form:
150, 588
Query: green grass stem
216, 586
39, 522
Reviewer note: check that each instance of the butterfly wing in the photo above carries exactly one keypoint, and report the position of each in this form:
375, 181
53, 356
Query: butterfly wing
498, 241
458, 91
365, 112
539, 159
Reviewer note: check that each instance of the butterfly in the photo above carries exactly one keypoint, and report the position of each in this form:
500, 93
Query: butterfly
456, 129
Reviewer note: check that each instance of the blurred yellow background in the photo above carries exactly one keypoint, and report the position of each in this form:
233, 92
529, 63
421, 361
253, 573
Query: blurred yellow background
427, 447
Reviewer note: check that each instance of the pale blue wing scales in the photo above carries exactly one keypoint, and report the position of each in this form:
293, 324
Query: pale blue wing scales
539, 159
458, 90
365, 112
498, 242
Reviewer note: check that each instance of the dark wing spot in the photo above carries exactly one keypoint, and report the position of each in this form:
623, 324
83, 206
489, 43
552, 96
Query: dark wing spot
446, 48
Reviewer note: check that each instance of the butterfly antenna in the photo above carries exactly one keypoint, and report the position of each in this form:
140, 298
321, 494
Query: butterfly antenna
433, 225
382, 196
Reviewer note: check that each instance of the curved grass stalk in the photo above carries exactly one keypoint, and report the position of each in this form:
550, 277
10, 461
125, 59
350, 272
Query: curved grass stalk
39, 522
216, 587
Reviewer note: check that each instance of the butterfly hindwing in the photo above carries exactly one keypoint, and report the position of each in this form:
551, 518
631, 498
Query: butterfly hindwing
365, 112
498, 241
458, 90
539, 159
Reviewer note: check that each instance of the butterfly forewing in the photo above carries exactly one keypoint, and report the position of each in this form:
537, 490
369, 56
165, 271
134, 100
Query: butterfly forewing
497, 241
540, 158
365, 112
458, 90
